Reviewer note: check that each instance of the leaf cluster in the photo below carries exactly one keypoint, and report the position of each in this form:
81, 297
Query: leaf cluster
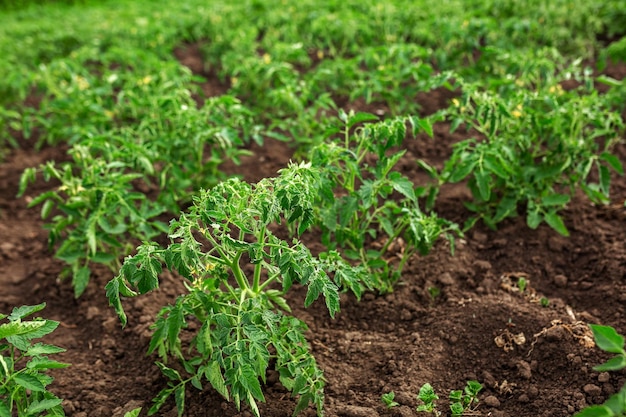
367, 200
145, 147
24, 363
538, 145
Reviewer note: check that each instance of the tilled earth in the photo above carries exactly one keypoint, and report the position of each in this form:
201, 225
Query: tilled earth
532, 360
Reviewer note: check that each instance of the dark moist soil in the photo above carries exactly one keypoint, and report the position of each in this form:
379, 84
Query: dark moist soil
532, 360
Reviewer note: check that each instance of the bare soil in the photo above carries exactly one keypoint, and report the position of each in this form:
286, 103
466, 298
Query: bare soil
532, 360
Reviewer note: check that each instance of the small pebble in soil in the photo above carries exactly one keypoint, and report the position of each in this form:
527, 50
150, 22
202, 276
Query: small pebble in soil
604, 377
560, 281
523, 369
482, 265
592, 389
403, 411
523, 398
488, 379
492, 401
446, 279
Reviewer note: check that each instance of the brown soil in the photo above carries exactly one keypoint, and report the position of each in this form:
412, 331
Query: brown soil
395, 342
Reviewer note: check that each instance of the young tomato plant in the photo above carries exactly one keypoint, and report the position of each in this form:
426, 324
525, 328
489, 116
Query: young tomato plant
539, 146
237, 272
96, 214
461, 402
374, 206
23, 365
610, 341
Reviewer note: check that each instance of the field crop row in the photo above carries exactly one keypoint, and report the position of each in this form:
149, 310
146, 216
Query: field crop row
145, 145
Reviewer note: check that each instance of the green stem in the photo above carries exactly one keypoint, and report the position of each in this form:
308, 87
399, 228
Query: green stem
238, 273
258, 267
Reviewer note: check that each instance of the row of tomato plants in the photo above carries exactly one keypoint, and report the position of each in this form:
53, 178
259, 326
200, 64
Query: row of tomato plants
147, 148
343, 190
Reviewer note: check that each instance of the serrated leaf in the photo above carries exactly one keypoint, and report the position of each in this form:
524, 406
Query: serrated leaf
360, 117
607, 338
19, 313
303, 403
4, 410
213, 374
250, 382
482, 181
492, 164
595, 411
80, 280
462, 170
159, 400
556, 222
613, 161
45, 363
613, 364
29, 382
403, 185
179, 397
174, 321
170, 373
19, 328
42, 349
555, 200
43, 405
133, 413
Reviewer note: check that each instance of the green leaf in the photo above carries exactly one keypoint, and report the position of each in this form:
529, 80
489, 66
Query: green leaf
41, 349
533, 219
43, 405
250, 382
45, 363
556, 222
133, 413
492, 164
403, 185
179, 397
605, 179
482, 180
29, 382
607, 338
425, 124
175, 321
613, 364
456, 409
102, 258
19, 313
170, 373
4, 410
461, 171
359, 118
595, 411
19, 328
213, 374
613, 161
555, 200
80, 279
323, 285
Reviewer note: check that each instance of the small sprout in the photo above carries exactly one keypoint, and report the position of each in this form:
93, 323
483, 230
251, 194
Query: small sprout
428, 397
388, 400
434, 292
521, 284
545, 302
